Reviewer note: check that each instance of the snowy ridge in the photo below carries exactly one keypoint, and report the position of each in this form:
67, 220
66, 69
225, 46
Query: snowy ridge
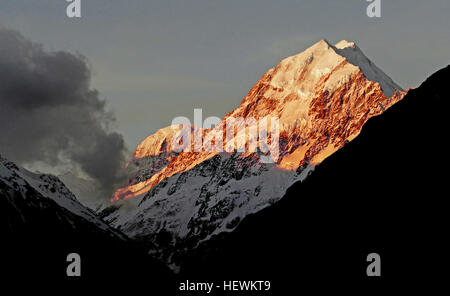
50, 187
356, 57
209, 199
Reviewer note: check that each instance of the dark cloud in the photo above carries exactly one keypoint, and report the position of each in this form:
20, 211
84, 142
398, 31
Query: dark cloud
50, 113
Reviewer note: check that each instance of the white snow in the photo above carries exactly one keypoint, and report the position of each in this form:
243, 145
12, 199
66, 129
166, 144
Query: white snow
173, 212
294, 83
49, 187
355, 56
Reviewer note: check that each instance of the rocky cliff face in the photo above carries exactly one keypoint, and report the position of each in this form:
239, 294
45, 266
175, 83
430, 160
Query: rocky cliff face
321, 98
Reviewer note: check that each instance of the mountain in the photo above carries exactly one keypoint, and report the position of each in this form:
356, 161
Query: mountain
325, 87
321, 98
41, 222
384, 192
45, 187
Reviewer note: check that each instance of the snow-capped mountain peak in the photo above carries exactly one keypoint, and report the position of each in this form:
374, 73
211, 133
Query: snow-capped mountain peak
321, 97
344, 44
356, 57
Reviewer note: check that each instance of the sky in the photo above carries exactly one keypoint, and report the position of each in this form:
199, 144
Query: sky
154, 60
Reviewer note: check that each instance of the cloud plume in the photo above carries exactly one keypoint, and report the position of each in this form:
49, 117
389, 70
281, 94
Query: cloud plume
50, 114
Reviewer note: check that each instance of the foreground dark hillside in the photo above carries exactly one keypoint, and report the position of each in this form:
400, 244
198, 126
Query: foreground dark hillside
384, 192
38, 234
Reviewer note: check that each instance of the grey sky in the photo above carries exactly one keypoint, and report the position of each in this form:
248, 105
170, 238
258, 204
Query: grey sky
154, 60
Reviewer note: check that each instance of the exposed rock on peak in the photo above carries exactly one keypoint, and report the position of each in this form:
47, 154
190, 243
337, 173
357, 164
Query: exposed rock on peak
321, 98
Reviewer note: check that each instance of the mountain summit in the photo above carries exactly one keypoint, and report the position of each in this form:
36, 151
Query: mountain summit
325, 90
321, 98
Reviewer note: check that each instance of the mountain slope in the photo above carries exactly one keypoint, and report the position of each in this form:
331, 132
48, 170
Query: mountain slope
86, 191
41, 222
384, 192
49, 187
321, 96
321, 101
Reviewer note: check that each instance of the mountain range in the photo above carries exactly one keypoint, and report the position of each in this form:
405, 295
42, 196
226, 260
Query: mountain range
42, 222
361, 169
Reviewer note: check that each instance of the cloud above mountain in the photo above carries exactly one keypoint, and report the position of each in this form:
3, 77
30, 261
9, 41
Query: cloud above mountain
50, 114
